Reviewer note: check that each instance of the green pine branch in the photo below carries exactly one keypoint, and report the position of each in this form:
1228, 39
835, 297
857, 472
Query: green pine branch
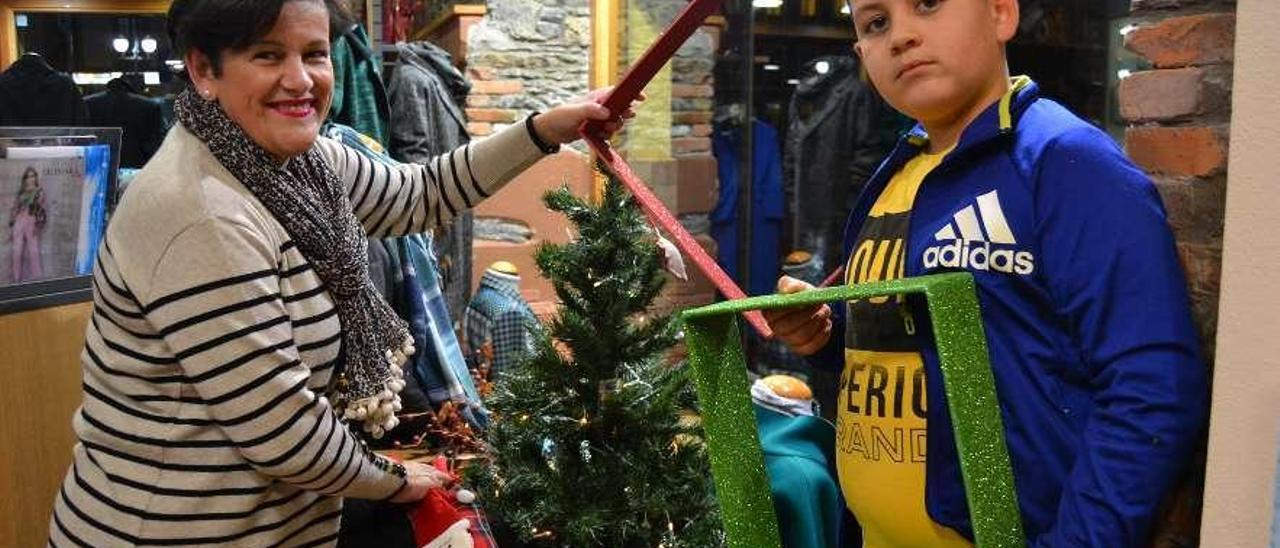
588, 448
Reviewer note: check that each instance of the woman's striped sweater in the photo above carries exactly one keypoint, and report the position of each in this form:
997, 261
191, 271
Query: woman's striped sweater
211, 345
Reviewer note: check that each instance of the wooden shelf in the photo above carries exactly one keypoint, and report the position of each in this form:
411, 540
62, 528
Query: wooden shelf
458, 10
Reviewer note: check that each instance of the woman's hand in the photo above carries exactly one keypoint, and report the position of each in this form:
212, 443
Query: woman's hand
421, 478
561, 124
805, 329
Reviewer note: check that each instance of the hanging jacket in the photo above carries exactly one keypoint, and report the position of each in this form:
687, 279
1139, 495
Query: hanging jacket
766, 206
425, 90
359, 98
32, 93
441, 368
438, 369
1085, 307
840, 130
799, 457
142, 119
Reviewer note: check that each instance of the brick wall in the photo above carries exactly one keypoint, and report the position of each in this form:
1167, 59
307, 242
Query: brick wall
1180, 114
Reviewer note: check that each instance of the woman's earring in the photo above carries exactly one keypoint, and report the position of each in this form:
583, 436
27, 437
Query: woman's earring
208, 96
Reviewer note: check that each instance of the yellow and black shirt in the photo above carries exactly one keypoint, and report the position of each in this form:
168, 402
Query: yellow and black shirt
880, 416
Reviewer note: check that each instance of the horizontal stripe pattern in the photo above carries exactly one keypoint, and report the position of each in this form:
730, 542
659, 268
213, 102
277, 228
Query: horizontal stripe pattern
209, 350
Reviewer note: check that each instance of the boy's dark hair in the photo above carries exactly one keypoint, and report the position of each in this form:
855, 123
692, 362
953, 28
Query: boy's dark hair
216, 26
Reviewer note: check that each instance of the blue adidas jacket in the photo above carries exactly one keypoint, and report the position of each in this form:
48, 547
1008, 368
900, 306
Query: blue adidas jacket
1086, 312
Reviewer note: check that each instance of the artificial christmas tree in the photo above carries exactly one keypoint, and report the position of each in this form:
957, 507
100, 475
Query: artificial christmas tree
594, 440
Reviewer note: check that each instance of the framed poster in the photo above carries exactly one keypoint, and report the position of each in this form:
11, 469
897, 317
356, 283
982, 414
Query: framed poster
56, 190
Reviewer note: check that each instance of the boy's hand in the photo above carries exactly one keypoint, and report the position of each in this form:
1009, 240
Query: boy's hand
804, 329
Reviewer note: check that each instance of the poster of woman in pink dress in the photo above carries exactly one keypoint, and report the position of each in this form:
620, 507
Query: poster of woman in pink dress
27, 219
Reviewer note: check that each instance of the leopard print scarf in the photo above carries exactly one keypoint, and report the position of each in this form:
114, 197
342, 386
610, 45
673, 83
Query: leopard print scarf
307, 198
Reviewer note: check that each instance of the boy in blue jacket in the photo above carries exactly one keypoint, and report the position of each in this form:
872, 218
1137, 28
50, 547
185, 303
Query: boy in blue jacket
1084, 303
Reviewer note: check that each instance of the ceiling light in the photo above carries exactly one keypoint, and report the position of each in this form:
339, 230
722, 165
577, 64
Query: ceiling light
121, 45
149, 45
766, 4
822, 67
771, 67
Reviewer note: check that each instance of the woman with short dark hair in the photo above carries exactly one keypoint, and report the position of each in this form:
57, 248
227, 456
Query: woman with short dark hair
235, 332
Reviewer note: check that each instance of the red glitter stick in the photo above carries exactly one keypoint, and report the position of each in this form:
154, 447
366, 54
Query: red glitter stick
618, 100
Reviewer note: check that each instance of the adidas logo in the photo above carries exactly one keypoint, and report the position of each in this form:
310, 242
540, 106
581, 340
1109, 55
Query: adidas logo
980, 239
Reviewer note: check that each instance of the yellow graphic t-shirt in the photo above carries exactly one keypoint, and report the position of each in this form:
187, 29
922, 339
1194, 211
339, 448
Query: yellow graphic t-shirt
880, 416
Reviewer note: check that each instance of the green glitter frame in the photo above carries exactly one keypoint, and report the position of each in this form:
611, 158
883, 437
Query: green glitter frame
737, 462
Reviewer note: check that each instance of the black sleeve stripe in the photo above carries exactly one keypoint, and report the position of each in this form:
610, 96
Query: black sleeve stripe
97, 361
292, 451
228, 337
328, 487
211, 314
362, 182
331, 312
375, 228
360, 464
118, 289
328, 438
205, 288
129, 352
98, 312
441, 195
246, 417
254, 384
379, 203
457, 181
402, 211
345, 168
285, 247
108, 400
102, 297
474, 182
304, 295
241, 360
124, 288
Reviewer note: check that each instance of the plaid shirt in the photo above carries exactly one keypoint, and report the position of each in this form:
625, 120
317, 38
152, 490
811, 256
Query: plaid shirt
499, 316
438, 365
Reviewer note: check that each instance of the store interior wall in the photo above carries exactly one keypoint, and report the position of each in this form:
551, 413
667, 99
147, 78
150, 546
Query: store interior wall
1240, 486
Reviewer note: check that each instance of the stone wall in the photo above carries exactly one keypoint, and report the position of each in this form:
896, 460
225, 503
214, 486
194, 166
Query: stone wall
525, 56
529, 55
